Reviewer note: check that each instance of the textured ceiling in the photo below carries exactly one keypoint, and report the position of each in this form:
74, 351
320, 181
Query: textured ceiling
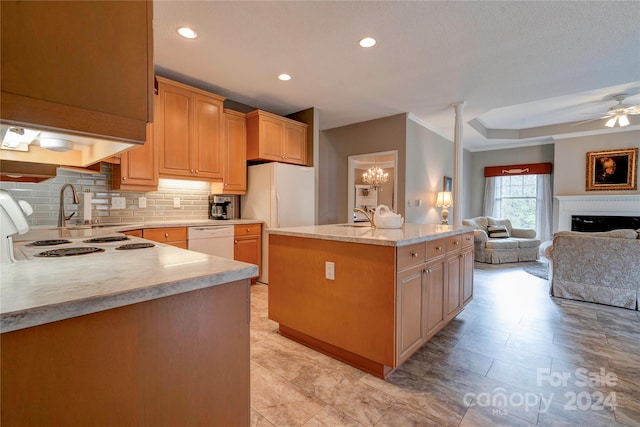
516, 65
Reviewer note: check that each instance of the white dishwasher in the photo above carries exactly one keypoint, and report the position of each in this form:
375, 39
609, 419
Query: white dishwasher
212, 240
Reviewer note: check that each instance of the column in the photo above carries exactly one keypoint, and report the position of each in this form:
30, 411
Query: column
457, 165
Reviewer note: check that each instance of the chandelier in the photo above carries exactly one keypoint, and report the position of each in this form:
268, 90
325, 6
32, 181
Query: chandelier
375, 177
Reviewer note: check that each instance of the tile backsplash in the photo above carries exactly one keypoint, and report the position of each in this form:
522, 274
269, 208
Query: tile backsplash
44, 197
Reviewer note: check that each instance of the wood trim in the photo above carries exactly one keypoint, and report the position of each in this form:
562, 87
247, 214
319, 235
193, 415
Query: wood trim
46, 115
190, 88
524, 169
374, 368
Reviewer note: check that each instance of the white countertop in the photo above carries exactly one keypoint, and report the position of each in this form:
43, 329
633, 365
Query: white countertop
42, 290
406, 235
47, 232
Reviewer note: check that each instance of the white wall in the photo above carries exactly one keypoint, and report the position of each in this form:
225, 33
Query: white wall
429, 158
570, 161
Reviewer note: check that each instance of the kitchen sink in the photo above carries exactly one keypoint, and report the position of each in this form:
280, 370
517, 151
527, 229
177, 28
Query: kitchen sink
356, 225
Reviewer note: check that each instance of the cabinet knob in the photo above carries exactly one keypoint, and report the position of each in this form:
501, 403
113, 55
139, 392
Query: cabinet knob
192, 171
438, 248
456, 243
248, 229
166, 234
197, 171
124, 178
414, 254
235, 241
226, 184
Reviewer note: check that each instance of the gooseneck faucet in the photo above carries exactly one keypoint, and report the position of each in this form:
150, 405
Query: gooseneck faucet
61, 217
367, 214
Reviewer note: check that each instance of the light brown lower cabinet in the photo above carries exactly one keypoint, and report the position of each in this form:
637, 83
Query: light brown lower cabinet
181, 360
383, 304
247, 245
174, 236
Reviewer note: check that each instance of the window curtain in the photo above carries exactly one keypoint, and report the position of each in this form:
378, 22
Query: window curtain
490, 192
544, 207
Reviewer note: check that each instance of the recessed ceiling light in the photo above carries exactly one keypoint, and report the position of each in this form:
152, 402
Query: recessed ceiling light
284, 77
367, 42
187, 33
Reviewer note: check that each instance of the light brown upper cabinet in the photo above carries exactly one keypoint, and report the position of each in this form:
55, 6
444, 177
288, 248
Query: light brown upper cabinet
189, 132
138, 168
85, 67
235, 153
275, 138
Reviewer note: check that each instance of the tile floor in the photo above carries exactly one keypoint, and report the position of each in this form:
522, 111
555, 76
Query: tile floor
514, 357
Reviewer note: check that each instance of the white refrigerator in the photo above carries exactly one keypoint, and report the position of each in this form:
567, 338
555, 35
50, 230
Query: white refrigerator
281, 195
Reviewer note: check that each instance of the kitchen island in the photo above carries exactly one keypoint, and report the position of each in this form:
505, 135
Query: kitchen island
154, 336
367, 296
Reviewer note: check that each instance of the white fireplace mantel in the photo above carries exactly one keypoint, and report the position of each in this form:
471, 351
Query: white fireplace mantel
606, 205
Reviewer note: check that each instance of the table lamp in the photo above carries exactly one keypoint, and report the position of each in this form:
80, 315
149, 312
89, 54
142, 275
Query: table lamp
444, 201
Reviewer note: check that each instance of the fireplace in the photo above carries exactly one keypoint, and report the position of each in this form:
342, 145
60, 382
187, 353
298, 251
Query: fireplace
590, 223
601, 206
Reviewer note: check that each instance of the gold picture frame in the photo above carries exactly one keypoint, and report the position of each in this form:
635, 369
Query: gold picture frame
612, 170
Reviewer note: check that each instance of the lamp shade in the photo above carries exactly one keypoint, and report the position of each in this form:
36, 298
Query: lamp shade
444, 199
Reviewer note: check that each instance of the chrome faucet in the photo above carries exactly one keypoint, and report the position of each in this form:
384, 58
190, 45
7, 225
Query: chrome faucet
367, 214
61, 217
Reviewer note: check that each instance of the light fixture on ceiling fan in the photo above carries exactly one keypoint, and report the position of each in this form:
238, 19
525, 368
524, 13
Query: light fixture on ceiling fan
620, 112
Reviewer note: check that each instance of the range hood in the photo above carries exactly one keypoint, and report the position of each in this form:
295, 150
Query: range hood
65, 149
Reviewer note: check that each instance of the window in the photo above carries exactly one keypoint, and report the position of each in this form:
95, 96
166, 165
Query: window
515, 199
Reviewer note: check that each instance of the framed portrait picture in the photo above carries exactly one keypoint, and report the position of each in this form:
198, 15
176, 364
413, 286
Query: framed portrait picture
612, 170
447, 184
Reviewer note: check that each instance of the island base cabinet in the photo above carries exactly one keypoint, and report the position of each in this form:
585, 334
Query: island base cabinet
352, 317
178, 360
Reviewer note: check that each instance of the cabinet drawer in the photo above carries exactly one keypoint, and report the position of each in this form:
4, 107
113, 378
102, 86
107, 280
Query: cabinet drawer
411, 255
454, 243
436, 248
247, 230
165, 235
467, 239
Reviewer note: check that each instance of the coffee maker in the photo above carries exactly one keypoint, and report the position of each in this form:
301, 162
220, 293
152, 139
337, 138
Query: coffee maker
222, 206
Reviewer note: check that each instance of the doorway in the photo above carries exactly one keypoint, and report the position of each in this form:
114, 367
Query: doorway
366, 196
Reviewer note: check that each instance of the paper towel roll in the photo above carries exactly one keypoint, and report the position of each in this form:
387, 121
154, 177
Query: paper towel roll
87, 207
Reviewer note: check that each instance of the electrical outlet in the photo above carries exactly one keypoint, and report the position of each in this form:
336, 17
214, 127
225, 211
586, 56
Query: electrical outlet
408, 203
418, 203
142, 202
176, 202
118, 203
329, 270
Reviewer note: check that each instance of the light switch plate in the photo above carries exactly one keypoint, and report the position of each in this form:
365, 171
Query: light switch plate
176, 202
329, 270
142, 202
118, 203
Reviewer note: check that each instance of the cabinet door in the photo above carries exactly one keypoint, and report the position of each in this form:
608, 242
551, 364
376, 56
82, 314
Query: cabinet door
271, 137
174, 131
452, 297
410, 312
435, 284
295, 144
207, 153
138, 169
247, 249
466, 263
235, 164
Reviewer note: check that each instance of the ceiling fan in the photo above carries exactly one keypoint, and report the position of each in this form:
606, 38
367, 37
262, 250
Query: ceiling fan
618, 113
